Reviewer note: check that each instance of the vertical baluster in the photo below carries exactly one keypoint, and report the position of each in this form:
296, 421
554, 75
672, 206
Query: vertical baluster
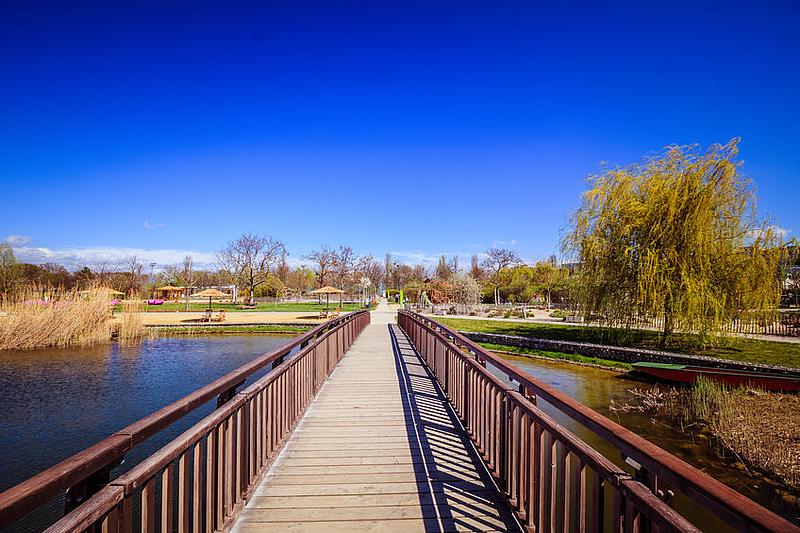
211, 480
230, 475
546, 482
149, 506
632, 517
183, 493
524, 465
110, 522
559, 486
597, 513
167, 497
583, 494
267, 423
535, 469
514, 446
618, 510
197, 487
241, 452
126, 515
252, 437
219, 498
573, 512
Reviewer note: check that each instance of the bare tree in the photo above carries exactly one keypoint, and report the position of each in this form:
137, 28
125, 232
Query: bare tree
9, 269
368, 267
475, 271
323, 260
283, 268
387, 271
250, 259
134, 267
496, 260
443, 270
344, 262
188, 278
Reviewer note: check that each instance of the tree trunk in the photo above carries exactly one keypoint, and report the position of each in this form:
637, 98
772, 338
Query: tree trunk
668, 322
252, 295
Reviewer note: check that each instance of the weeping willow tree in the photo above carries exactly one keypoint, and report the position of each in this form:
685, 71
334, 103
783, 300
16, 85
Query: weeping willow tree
676, 239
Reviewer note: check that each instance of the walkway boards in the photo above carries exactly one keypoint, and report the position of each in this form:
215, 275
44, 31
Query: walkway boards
378, 450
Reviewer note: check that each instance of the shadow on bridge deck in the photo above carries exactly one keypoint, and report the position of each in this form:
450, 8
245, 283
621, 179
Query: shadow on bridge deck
452, 480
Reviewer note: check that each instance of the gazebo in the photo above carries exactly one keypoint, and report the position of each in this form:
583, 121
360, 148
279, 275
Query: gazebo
170, 292
327, 291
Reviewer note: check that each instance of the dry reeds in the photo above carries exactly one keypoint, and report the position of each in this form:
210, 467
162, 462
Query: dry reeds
129, 328
762, 429
64, 318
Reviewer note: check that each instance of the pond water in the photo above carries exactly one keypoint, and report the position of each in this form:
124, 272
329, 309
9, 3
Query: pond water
56, 402
597, 388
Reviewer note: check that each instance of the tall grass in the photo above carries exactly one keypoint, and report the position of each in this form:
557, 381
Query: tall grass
66, 318
762, 429
129, 328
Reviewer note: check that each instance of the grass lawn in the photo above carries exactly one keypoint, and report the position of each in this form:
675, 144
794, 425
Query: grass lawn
300, 307
735, 348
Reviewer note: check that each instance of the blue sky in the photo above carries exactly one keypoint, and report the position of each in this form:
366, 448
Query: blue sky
417, 128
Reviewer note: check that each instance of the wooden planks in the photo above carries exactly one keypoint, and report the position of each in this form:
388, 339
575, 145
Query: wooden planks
378, 450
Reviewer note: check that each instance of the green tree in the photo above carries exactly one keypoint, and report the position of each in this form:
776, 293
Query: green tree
272, 287
677, 237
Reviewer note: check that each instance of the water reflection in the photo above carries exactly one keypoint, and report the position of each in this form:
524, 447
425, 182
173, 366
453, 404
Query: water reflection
56, 402
597, 388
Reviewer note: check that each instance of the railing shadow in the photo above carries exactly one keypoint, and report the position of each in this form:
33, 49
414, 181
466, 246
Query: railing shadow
455, 490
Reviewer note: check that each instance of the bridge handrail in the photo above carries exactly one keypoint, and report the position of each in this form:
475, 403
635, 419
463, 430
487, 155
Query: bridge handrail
20, 499
659, 467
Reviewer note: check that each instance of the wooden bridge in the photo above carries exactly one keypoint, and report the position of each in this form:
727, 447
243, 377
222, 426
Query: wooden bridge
367, 425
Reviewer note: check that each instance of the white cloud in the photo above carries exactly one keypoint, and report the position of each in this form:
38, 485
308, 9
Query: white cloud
157, 225
95, 255
780, 231
500, 244
783, 232
431, 259
17, 240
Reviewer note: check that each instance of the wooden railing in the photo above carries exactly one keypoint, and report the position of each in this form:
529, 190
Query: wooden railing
198, 481
553, 480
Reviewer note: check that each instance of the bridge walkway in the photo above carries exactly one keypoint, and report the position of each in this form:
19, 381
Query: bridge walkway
379, 449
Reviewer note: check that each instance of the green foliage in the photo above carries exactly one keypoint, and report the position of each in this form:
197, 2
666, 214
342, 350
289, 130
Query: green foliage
270, 288
678, 237
526, 283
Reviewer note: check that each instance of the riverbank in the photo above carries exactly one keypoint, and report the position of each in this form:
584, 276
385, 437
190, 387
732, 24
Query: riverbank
784, 354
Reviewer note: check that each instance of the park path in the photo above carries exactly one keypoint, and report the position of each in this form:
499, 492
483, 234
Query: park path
379, 449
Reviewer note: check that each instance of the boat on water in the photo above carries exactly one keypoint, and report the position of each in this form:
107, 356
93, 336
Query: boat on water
735, 378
